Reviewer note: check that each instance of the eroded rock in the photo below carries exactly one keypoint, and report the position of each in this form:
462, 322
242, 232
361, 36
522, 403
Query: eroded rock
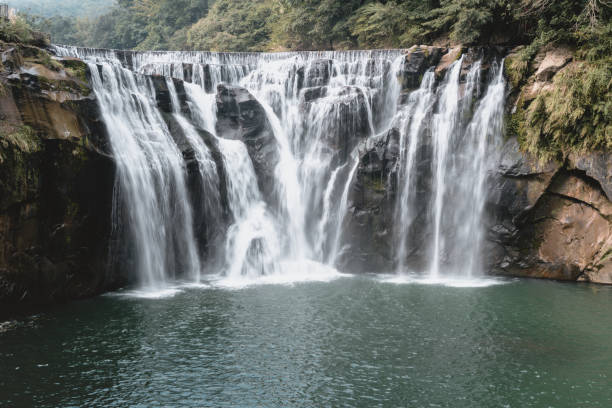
241, 117
56, 183
552, 220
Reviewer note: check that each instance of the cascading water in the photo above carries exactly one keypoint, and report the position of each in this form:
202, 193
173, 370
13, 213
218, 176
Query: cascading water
320, 106
463, 148
150, 175
412, 119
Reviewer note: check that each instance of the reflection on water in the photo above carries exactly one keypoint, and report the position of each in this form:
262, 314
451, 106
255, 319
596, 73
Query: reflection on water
356, 342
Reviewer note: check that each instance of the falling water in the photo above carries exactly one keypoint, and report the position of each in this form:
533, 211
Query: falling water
412, 120
463, 148
150, 175
320, 106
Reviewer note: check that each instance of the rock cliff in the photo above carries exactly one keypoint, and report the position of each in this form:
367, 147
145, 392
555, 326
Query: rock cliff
56, 181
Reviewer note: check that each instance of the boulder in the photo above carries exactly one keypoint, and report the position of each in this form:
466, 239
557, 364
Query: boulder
552, 62
551, 220
315, 73
241, 117
418, 60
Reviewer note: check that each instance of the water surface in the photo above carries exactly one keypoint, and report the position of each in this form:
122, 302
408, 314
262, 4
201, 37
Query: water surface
351, 342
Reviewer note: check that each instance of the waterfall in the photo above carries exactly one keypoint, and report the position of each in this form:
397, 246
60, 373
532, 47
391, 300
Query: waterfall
150, 175
464, 146
412, 119
320, 108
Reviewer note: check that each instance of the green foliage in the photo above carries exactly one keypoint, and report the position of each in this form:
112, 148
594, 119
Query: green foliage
67, 8
233, 25
316, 24
19, 31
243, 25
378, 24
23, 138
574, 115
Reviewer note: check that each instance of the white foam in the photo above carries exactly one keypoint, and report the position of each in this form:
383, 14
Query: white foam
153, 293
290, 272
442, 280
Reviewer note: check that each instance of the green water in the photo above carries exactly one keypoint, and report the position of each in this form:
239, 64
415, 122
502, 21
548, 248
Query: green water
352, 342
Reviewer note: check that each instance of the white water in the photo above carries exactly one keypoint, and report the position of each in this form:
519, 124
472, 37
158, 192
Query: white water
464, 147
150, 176
357, 96
412, 119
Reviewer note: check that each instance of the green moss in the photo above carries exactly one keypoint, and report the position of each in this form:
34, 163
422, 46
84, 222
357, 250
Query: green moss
18, 165
24, 139
375, 184
46, 60
515, 69
76, 69
574, 115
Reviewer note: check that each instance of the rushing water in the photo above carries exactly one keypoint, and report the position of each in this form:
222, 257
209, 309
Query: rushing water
352, 342
151, 178
320, 106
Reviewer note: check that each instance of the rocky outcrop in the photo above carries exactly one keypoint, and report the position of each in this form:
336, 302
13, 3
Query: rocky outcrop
418, 59
371, 203
552, 220
56, 182
315, 74
241, 117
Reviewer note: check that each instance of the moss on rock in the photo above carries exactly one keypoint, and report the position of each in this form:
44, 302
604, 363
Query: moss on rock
574, 114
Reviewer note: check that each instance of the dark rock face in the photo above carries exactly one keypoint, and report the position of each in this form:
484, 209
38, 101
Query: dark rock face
550, 221
315, 74
211, 214
311, 94
418, 60
596, 165
162, 93
371, 203
241, 117
56, 184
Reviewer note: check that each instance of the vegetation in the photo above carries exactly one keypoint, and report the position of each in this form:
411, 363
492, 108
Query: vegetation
72, 8
19, 31
243, 25
233, 25
575, 115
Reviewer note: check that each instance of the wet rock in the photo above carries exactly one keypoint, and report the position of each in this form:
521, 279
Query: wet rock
370, 220
163, 96
56, 185
211, 213
418, 60
241, 117
551, 220
314, 74
310, 94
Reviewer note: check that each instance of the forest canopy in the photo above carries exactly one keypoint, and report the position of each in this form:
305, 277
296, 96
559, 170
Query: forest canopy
262, 25
65, 8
